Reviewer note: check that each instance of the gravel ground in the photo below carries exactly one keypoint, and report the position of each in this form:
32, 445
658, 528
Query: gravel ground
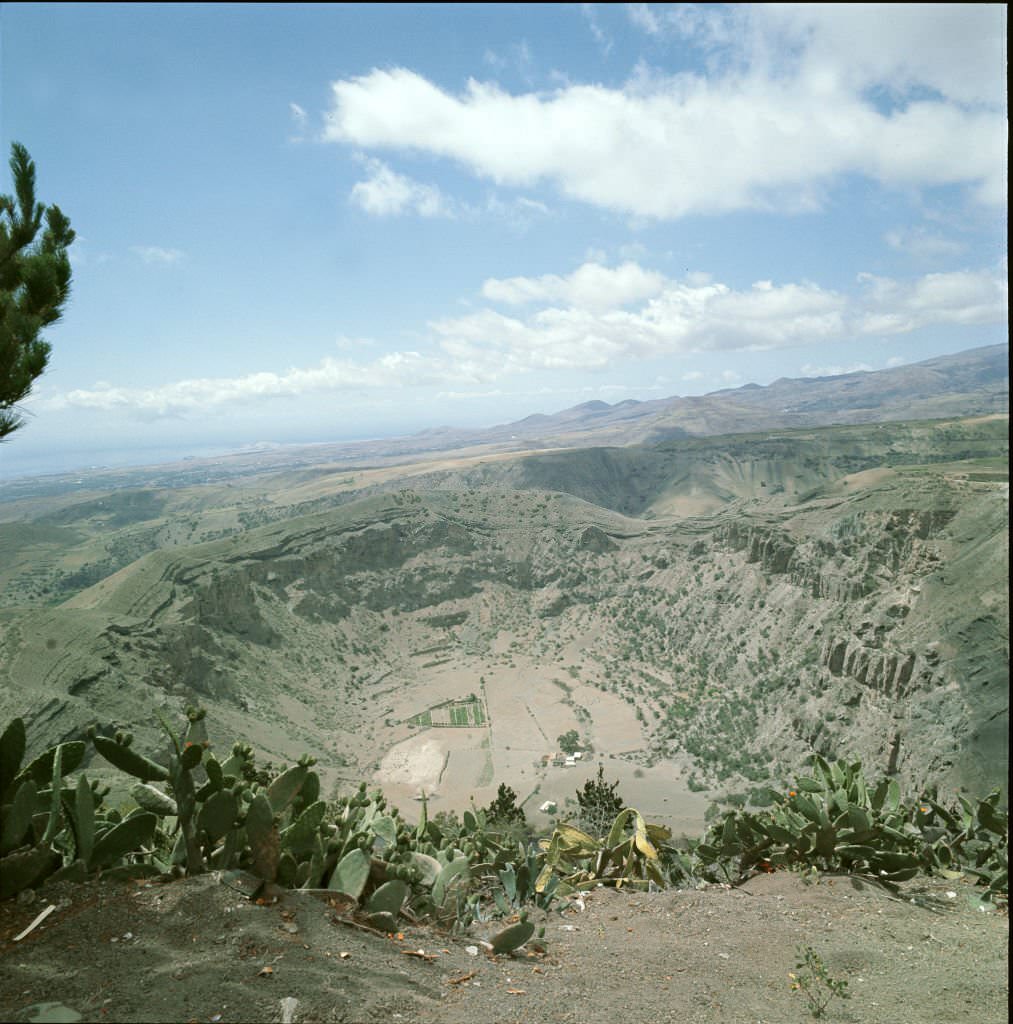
196, 950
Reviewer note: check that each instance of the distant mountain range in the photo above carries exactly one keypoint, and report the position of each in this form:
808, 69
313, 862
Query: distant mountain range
970, 383
966, 384
810, 577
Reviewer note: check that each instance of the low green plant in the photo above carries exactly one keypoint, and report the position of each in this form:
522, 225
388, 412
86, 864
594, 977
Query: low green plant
518, 884
829, 820
195, 813
513, 936
969, 837
50, 828
627, 856
813, 980
834, 821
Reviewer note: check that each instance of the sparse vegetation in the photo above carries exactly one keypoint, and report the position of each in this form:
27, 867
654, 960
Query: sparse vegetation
813, 980
275, 825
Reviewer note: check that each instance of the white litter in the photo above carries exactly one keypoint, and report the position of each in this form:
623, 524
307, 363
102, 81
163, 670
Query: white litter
42, 917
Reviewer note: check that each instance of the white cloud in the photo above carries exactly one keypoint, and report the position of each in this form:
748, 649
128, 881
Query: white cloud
601, 37
156, 254
650, 316
81, 255
922, 245
962, 297
681, 316
517, 58
813, 96
955, 50
696, 314
591, 286
642, 16
200, 396
517, 213
810, 370
385, 193
300, 120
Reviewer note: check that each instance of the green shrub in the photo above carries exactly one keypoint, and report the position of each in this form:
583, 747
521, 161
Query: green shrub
599, 803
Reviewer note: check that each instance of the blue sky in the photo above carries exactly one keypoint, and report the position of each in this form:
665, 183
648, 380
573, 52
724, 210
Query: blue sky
310, 223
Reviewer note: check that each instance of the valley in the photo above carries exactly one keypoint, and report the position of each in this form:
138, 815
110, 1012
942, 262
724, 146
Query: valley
704, 613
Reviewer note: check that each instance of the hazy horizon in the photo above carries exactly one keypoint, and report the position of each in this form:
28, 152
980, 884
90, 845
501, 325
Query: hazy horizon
87, 460
309, 223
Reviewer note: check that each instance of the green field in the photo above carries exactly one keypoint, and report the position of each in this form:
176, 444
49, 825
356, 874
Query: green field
461, 714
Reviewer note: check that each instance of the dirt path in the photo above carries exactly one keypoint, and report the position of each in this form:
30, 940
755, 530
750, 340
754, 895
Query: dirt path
198, 951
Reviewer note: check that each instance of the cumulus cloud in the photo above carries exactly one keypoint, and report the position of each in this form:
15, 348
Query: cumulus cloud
198, 396
955, 50
386, 193
591, 286
696, 313
680, 316
559, 322
807, 98
962, 297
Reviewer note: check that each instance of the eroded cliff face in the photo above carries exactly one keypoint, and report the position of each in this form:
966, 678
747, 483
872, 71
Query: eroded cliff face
910, 596
871, 624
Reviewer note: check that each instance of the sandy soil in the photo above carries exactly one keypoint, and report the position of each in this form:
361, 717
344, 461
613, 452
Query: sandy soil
417, 763
197, 950
528, 712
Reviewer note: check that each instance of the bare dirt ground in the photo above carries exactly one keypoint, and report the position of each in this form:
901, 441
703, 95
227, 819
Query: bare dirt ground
197, 950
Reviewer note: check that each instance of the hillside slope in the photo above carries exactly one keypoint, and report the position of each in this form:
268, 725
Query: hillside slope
860, 610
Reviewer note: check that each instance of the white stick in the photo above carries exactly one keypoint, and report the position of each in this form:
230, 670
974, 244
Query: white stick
42, 917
